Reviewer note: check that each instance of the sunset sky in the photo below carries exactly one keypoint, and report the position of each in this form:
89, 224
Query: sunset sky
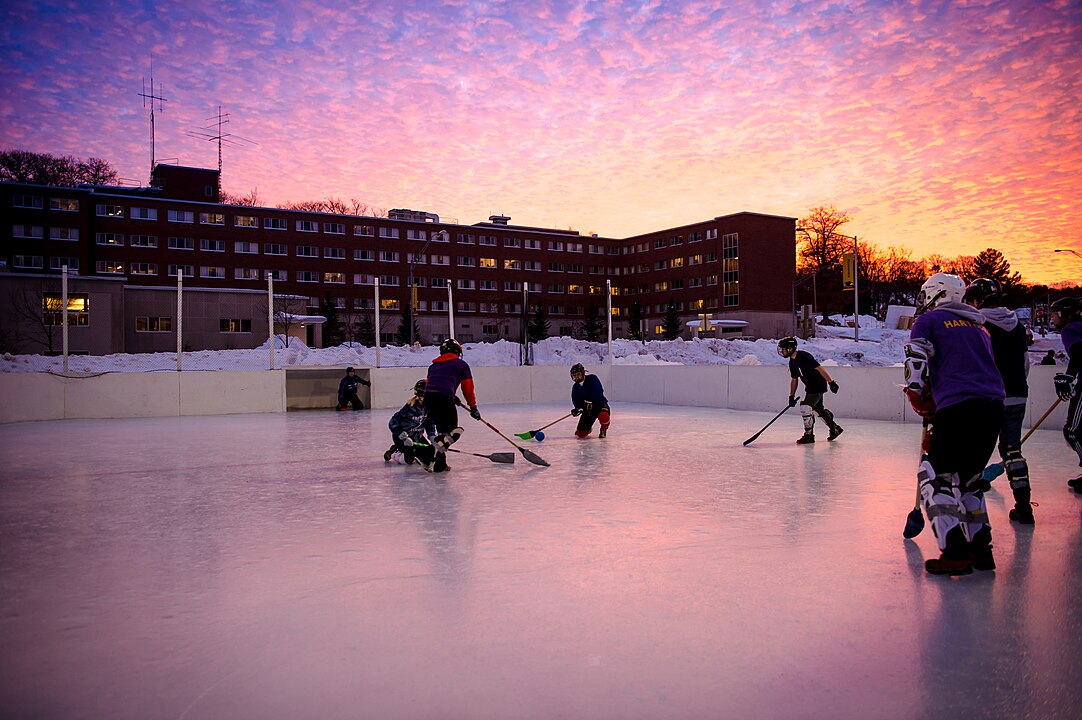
942, 127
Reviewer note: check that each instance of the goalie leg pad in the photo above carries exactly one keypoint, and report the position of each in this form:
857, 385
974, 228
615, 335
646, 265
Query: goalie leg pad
808, 416
976, 517
941, 498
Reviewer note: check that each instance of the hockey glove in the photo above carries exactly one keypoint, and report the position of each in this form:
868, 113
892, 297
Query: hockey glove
921, 400
587, 406
834, 387
575, 412
405, 438
475, 413
792, 401
1065, 386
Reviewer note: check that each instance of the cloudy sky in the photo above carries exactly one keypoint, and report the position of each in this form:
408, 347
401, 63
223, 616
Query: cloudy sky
942, 127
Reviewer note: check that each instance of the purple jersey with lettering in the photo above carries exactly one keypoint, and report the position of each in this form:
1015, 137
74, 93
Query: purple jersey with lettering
962, 365
1072, 343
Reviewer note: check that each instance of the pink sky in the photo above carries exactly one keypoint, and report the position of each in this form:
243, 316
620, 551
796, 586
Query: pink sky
942, 127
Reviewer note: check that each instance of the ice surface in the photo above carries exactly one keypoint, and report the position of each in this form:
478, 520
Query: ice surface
272, 566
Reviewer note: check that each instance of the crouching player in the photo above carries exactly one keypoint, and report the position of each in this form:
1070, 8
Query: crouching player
950, 373
588, 397
411, 430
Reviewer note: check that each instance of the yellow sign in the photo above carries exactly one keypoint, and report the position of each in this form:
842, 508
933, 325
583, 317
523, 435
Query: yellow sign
847, 271
413, 298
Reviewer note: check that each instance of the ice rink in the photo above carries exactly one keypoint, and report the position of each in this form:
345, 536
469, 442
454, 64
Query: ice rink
272, 566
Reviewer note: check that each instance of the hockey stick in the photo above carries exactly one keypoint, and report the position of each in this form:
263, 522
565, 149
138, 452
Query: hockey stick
754, 437
530, 435
914, 521
529, 455
507, 457
994, 470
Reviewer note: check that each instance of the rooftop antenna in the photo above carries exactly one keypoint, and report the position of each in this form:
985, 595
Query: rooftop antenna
148, 100
214, 133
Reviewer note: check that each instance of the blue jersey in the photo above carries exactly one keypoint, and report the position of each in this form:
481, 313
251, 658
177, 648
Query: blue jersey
962, 365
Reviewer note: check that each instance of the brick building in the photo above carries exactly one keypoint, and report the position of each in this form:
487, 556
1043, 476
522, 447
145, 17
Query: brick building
125, 247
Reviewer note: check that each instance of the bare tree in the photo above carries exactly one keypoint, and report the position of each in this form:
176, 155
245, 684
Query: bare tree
823, 248
287, 312
249, 199
45, 169
335, 206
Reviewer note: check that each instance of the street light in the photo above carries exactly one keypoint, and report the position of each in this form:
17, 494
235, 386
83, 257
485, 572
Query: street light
856, 280
1073, 252
412, 287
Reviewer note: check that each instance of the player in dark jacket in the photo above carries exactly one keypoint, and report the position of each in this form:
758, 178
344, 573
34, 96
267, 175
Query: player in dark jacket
347, 390
446, 374
1009, 349
1066, 318
412, 430
816, 381
588, 398
951, 376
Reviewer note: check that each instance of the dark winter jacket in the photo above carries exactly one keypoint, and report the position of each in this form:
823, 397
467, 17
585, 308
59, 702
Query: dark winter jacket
348, 387
1009, 348
412, 420
589, 390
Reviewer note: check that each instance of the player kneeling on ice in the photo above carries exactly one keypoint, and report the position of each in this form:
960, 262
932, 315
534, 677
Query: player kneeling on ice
445, 375
347, 391
411, 430
816, 381
588, 397
951, 375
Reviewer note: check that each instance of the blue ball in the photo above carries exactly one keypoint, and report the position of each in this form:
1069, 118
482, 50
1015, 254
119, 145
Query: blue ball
539, 436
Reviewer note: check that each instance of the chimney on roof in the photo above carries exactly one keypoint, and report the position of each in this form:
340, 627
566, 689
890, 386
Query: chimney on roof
499, 219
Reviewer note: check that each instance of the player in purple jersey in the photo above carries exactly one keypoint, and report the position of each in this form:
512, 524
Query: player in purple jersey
1066, 318
951, 374
1009, 348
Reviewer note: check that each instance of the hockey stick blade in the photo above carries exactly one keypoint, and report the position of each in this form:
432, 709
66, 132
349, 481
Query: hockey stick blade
753, 438
914, 523
533, 433
532, 457
494, 457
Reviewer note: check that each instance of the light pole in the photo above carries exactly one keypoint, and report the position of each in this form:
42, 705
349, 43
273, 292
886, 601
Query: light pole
412, 288
1073, 252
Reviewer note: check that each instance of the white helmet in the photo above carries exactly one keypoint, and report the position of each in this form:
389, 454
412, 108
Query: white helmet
941, 288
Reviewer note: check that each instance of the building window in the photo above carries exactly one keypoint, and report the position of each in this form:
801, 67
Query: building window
334, 278
416, 234
363, 279
466, 284
367, 255
597, 250
179, 243
212, 271
392, 280
63, 233
274, 223
109, 211
364, 230
388, 304
490, 329
246, 273
574, 247
212, 245
144, 241
33, 202
488, 240
153, 324
712, 234
307, 276
58, 263
246, 248
512, 242
488, 262
487, 285
466, 239
511, 286
307, 251
182, 270
64, 204
574, 268
234, 325
441, 259
364, 304
386, 232
467, 307
532, 265
556, 267
307, 226
52, 309
556, 288
677, 262
181, 216
110, 267
532, 244
730, 269
142, 268
246, 221
109, 238
467, 261
334, 253
142, 213
278, 275
28, 262
574, 289
275, 249
333, 228
438, 282
388, 256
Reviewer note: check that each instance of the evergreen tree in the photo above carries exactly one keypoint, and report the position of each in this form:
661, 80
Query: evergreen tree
333, 332
403, 334
991, 264
366, 330
670, 326
591, 327
634, 321
538, 329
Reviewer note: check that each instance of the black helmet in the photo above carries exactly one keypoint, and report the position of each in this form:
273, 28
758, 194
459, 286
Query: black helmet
577, 368
349, 370
786, 345
450, 345
419, 387
1067, 308
983, 292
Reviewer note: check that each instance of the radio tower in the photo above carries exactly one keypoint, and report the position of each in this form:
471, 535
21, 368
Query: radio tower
213, 133
148, 101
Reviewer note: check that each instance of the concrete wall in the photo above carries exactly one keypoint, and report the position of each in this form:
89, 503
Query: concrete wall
868, 393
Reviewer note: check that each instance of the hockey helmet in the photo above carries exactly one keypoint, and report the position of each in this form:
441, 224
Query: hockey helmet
940, 288
786, 345
577, 369
419, 387
983, 292
1065, 309
349, 370
450, 345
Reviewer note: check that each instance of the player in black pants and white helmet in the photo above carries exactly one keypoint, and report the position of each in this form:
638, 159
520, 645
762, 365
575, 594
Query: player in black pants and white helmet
1067, 318
816, 381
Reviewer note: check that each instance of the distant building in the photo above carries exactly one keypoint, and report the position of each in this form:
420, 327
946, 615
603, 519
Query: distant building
125, 248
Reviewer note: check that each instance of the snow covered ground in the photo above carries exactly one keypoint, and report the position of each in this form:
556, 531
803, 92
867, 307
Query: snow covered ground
832, 346
272, 566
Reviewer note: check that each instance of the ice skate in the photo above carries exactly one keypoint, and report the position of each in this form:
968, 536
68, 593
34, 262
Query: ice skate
389, 454
806, 439
947, 565
603, 433
835, 431
1076, 484
1022, 514
981, 558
